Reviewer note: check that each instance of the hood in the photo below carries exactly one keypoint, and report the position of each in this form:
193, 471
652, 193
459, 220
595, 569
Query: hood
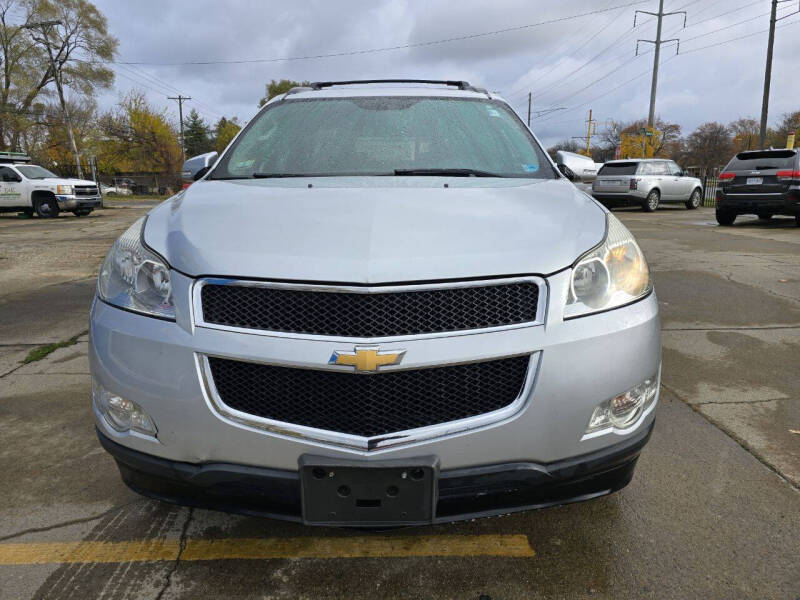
64, 181
375, 230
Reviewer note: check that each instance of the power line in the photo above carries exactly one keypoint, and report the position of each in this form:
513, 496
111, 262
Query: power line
386, 48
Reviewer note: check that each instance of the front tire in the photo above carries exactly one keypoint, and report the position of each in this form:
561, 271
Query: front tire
694, 200
725, 217
46, 207
650, 203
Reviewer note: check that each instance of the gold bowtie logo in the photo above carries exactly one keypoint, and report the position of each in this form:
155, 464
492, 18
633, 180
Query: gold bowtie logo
366, 360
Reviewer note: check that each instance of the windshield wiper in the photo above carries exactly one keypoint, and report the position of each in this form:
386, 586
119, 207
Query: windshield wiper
271, 175
447, 172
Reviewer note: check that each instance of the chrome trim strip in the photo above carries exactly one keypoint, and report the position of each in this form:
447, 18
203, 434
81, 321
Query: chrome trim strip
360, 444
199, 321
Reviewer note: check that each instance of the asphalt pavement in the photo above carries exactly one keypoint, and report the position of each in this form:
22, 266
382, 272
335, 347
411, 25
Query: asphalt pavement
713, 510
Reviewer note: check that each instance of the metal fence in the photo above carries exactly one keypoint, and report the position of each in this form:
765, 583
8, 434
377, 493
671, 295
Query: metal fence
710, 178
158, 184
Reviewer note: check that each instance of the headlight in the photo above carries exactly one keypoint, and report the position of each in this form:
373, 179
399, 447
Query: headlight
134, 278
613, 274
67, 190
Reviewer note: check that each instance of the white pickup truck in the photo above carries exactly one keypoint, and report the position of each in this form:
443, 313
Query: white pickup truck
33, 189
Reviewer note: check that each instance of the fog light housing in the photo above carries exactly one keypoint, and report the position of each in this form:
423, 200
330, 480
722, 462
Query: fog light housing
622, 411
121, 414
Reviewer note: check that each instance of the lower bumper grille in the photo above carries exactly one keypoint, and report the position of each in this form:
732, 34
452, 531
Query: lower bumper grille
369, 405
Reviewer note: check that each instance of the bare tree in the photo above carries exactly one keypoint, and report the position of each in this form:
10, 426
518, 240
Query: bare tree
709, 145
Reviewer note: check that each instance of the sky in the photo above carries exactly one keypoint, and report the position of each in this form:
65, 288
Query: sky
573, 63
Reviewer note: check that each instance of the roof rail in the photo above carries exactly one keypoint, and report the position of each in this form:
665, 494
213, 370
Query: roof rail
12, 157
462, 85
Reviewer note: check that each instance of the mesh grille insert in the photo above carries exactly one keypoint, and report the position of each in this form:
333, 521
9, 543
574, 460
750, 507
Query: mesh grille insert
369, 405
368, 315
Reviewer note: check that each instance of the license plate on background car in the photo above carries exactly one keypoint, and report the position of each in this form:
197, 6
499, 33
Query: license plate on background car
609, 182
368, 494
755, 180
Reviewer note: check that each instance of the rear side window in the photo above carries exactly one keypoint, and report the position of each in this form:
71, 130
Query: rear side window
624, 168
762, 161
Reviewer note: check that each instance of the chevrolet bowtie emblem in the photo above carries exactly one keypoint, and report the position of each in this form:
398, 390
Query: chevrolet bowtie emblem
366, 360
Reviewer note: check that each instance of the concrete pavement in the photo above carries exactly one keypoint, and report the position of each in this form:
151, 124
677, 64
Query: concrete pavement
712, 510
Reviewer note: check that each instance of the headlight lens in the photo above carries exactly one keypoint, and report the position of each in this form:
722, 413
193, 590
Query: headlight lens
612, 274
65, 189
621, 412
121, 414
134, 278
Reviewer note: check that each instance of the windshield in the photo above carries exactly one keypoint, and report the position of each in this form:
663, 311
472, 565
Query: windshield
753, 161
385, 136
35, 172
626, 168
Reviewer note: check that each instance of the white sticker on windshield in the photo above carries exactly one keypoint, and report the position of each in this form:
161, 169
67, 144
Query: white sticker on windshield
493, 112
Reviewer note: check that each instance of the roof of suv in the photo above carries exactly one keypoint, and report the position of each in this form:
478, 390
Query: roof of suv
386, 87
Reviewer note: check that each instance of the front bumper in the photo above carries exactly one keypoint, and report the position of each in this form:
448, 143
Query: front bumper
75, 202
462, 493
578, 364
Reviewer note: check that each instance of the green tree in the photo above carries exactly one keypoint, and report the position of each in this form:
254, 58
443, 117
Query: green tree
224, 131
80, 46
196, 135
275, 88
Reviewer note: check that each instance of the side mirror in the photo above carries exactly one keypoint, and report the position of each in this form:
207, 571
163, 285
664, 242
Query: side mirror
197, 166
567, 172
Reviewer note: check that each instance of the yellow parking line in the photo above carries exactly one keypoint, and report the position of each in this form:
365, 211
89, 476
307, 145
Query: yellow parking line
298, 547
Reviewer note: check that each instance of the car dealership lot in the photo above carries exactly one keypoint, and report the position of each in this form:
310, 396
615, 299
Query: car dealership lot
712, 510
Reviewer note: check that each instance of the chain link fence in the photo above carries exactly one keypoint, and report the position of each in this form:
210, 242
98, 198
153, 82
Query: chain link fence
145, 184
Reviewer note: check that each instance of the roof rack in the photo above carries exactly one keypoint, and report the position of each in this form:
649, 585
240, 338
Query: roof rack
462, 85
14, 157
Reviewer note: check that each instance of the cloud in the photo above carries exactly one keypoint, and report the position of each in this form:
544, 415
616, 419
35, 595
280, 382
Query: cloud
720, 83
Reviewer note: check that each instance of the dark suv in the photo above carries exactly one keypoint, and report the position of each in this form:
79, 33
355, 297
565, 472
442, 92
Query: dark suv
759, 182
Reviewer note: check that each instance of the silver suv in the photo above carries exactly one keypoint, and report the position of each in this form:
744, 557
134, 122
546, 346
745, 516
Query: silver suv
647, 182
380, 306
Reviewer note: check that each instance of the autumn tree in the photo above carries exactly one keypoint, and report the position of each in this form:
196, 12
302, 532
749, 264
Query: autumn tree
80, 46
789, 123
224, 131
275, 88
196, 135
744, 134
138, 138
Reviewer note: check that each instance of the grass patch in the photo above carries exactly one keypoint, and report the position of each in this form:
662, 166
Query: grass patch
42, 351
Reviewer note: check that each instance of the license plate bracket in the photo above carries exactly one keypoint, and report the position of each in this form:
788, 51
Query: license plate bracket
368, 494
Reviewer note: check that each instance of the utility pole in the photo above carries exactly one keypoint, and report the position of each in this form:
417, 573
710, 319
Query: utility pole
530, 96
591, 127
45, 27
651, 116
762, 134
180, 100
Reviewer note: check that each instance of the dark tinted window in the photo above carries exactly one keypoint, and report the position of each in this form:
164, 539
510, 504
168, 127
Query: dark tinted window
6, 171
378, 135
754, 161
624, 168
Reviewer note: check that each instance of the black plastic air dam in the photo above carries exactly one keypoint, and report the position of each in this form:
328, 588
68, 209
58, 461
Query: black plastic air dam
463, 493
